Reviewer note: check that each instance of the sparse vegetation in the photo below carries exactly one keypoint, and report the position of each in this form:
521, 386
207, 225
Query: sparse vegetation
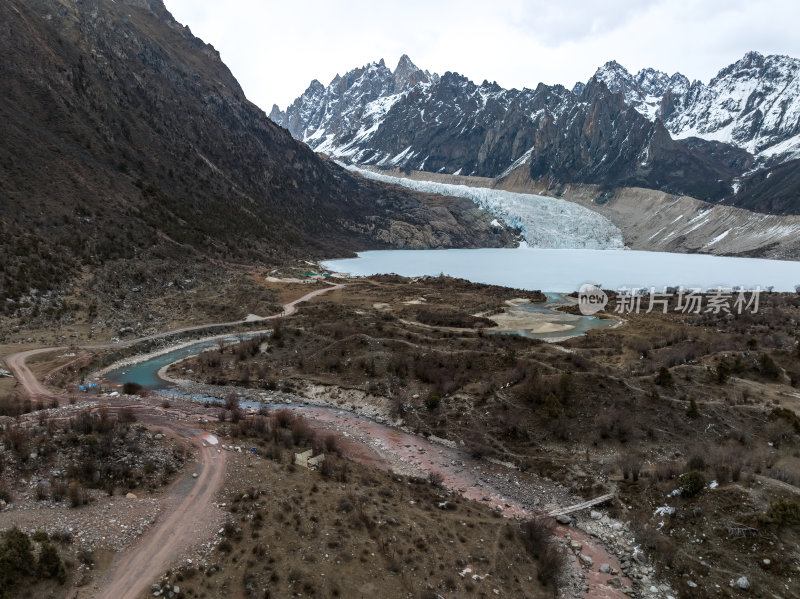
19, 565
664, 377
691, 484
639, 395
784, 513
399, 535
92, 450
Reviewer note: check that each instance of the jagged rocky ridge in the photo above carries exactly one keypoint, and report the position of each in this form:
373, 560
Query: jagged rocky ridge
650, 130
753, 104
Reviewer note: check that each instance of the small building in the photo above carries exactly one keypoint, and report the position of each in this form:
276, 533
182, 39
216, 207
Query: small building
306, 460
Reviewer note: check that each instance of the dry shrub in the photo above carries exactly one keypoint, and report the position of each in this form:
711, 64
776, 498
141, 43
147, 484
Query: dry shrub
436, 479
727, 463
58, 490
551, 565
130, 388
301, 431
77, 495
667, 470
331, 445
282, 418
334, 468
41, 492
630, 464
537, 534
231, 401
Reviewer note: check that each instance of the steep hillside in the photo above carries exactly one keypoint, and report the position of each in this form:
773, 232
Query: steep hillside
125, 137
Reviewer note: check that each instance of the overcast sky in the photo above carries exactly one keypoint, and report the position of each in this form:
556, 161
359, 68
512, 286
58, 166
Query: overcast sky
275, 49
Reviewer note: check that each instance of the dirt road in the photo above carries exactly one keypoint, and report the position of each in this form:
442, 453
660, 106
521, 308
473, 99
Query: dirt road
176, 530
30, 384
36, 390
291, 307
190, 503
288, 310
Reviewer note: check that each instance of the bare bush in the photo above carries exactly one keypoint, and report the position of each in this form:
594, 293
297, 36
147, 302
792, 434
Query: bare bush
436, 479
41, 492
727, 463
231, 401
301, 431
283, 418
77, 495
551, 566
630, 464
537, 534
331, 445
667, 470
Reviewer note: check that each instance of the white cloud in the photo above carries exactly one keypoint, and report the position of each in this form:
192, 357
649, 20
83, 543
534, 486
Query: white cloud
275, 49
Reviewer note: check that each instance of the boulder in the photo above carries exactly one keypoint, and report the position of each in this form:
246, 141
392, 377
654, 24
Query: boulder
743, 583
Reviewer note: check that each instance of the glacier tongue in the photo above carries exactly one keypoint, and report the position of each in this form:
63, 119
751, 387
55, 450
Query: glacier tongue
545, 222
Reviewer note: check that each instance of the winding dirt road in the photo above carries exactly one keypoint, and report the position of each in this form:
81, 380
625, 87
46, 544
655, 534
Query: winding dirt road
190, 500
175, 531
30, 384
36, 390
288, 310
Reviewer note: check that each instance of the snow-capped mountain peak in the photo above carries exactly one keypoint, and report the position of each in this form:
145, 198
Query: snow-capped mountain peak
753, 103
407, 75
408, 118
644, 90
350, 101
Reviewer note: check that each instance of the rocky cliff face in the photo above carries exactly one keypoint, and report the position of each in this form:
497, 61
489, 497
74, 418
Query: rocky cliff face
340, 109
125, 136
753, 104
449, 124
715, 142
644, 90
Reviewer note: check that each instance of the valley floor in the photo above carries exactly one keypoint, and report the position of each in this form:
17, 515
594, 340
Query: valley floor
498, 423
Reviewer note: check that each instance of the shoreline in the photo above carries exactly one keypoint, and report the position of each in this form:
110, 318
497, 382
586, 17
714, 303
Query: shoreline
138, 358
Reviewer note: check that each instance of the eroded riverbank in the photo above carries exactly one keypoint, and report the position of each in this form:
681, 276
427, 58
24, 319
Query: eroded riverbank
603, 564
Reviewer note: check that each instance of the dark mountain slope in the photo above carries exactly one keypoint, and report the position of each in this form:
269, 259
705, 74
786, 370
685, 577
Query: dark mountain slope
124, 136
601, 140
774, 189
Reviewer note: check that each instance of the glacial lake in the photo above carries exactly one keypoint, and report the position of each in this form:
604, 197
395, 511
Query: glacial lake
565, 270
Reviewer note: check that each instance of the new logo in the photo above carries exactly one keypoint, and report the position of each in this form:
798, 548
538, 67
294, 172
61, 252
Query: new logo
591, 299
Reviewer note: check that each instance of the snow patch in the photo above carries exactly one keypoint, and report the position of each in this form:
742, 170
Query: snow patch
664, 510
719, 237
